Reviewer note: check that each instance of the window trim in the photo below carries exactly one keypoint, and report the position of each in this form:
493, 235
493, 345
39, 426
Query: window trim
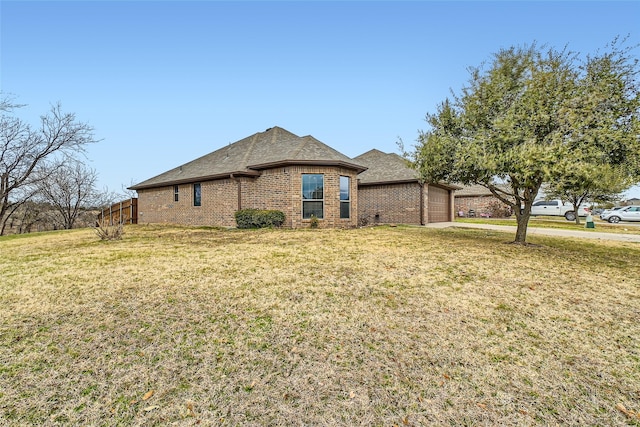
346, 201
304, 200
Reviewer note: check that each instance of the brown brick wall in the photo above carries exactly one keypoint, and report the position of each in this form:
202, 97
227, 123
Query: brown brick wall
219, 203
278, 188
331, 196
481, 205
390, 203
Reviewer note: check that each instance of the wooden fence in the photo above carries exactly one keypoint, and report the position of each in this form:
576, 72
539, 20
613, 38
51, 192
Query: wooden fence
125, 212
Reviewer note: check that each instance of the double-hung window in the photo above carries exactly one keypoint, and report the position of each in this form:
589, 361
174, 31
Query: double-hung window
176, 193
345, 197
312, 195
197, 194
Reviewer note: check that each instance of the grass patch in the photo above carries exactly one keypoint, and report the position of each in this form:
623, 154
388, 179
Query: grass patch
374, 326
559, 223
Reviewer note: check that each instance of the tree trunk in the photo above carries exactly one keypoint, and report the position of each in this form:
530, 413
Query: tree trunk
575, 209
523, 223
522, 218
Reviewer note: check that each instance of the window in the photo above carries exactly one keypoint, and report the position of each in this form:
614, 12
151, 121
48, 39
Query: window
176, 193
197, 194
345, 197
546, 203
312, 195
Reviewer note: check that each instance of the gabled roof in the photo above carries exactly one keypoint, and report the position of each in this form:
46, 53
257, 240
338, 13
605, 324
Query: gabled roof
384, 168
272, 148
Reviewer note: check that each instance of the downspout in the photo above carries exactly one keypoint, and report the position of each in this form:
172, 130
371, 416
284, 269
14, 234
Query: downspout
422, 221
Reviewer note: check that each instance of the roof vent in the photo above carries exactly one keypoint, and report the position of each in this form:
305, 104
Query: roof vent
268, 129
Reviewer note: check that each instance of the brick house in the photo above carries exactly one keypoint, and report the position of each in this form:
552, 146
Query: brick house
481, 201
389, 191
274, 169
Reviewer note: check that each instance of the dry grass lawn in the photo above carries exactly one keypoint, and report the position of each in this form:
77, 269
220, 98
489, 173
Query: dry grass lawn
376, 326
561, 223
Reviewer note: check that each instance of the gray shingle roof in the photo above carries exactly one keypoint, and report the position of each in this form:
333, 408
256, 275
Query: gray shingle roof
388, 168
271, 148
477, 190
384, 167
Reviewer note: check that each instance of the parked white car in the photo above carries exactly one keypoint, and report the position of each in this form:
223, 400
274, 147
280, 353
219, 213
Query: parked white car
626, 213
606, 212
558, 208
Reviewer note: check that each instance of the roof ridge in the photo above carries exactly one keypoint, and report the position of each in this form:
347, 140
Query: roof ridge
303, 141
311, 138
372, 151
249, 151
274, 137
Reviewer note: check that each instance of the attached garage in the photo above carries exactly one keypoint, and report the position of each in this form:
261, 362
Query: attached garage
439, 204
389, 191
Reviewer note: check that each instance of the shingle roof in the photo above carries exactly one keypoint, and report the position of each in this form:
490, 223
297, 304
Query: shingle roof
388, 168
477, 190
384, 167
271, 148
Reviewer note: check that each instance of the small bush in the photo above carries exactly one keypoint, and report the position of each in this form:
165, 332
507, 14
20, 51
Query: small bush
498, 210
259, 218
314, 222
106, 231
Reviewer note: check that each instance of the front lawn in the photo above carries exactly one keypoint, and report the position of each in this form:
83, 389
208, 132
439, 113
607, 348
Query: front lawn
374, 326
560, 223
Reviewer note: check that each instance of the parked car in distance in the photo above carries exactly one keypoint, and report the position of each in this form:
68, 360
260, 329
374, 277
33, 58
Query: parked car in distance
558, 208
626, 213
608, 211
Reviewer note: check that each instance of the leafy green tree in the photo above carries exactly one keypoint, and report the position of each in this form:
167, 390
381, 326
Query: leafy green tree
585, 183
601, 157
524, 119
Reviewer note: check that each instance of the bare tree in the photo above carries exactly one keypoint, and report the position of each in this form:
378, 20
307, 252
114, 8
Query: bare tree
68, 188
29, 216
24, 150
105, 198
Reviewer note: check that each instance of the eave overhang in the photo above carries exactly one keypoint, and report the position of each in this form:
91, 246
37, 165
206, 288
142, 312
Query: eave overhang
282, 163
408, 181
236, 174
400, 181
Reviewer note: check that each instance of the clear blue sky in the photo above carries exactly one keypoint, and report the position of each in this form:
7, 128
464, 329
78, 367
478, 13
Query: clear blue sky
165, 82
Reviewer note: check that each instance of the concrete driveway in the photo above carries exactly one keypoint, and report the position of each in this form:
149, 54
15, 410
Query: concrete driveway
532, 231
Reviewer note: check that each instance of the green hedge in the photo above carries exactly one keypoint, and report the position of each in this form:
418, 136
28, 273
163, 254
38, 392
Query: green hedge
258, 218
